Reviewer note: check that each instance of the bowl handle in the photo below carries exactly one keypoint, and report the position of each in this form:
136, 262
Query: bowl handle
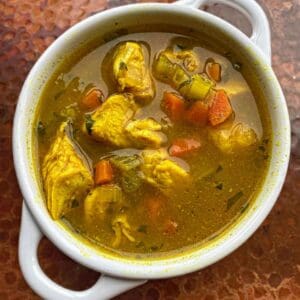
251, 9
106, 287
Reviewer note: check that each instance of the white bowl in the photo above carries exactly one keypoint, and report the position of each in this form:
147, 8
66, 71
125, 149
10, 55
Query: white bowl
122, 274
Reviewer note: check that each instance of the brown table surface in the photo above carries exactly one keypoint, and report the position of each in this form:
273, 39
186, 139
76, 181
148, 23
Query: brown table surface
267, 266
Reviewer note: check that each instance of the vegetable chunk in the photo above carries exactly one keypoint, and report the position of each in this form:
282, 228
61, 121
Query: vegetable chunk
103, 172
131, 73
163, 173
220, 110
195, 87
66, 173
233, 138
183, 146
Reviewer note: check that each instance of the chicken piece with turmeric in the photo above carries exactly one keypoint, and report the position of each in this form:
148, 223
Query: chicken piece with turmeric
163, 173
233, 137
66, 173
131, 73
107, 123
113, 123
100, 200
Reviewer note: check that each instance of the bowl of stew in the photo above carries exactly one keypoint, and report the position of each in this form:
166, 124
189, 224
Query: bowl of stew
150, 141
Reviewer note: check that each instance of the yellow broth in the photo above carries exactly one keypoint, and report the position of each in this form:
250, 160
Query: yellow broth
223, 185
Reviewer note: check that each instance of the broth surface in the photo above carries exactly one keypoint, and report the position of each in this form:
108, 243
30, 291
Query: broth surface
223, 185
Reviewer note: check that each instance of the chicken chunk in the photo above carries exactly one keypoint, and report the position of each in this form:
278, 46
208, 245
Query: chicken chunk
131, 73
145, 133
233, 137
66, 173
100, 200
107, 123
163, 173
187, 58
121, 228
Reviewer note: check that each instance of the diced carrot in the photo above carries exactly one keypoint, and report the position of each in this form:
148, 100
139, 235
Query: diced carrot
154, 206
184, 146
92, 99
220, 110
173, 106
213, 70
170, 227
197, 114
103, 172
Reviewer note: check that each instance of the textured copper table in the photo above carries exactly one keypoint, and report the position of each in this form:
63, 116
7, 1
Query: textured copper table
266, 267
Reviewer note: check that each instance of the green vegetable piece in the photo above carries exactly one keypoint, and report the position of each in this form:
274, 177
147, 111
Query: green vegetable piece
129, 169
198, 87
232, 200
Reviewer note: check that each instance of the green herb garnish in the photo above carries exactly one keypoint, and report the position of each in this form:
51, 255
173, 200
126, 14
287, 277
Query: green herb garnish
219, 169
41, 128
89, 122
74, 203
244, 208
232, 200
219, 186
123, 66
142, 228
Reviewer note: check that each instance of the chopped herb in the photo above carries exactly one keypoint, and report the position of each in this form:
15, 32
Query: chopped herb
74, 203
123, 66
57, 95
89, 122
140, 244
181, 47
155, 247
142, 228
232, 200
237, 66
41, 128
244, 208
219, 169
219, 186
266, 141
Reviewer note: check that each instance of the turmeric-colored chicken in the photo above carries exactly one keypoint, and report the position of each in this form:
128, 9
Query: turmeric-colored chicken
131, 73
163, 173
145, 133
100, 200
66, 173
233, 137
113, 123
122, 229
107, 123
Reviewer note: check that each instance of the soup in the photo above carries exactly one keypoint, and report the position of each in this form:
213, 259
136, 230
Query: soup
150, 143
